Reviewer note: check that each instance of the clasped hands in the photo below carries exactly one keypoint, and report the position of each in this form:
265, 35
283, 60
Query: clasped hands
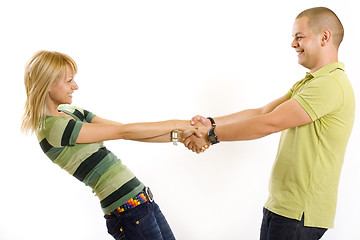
197, 141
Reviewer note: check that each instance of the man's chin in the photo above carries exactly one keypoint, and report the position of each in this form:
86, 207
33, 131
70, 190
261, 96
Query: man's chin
302, 63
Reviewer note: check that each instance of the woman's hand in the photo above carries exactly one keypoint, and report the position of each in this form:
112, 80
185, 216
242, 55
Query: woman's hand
198, 144
183, 135
186, 129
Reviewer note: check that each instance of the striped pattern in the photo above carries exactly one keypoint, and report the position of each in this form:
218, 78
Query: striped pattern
92, 163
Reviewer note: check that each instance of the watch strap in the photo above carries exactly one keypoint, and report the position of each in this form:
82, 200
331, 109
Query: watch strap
212, 121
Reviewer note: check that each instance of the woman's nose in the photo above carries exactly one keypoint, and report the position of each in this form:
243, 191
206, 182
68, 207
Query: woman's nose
75, 86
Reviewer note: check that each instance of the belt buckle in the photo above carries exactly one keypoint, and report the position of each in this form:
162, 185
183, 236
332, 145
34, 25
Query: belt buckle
149, 194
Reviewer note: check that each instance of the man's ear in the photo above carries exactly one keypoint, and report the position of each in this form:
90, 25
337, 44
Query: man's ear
325, 37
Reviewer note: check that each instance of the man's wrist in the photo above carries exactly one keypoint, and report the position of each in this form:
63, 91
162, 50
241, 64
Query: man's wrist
211, 136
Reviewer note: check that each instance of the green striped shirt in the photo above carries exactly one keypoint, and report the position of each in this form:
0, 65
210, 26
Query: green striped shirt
91, 163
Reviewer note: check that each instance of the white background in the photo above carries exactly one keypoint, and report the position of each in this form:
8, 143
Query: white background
159, 60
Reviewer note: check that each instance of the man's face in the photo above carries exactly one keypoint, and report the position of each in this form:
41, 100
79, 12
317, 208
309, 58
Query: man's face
306, 43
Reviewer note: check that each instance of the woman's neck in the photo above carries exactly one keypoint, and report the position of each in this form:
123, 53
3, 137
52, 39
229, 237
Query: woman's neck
52, 108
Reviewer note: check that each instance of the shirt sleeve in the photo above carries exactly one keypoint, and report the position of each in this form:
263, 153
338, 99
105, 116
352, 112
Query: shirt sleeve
88, 116
321, 96
63, 132
289, 94
83, 114
80, 113
71, 133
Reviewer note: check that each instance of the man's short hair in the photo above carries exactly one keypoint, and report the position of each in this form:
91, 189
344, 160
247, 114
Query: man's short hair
322, 18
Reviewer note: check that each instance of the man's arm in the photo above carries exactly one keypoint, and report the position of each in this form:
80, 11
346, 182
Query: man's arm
243, 115
250, 124
288, 114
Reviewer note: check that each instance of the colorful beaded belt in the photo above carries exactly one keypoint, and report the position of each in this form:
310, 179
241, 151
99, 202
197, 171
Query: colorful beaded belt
141, 198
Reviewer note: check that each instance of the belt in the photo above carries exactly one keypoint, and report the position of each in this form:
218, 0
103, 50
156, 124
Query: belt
143, 197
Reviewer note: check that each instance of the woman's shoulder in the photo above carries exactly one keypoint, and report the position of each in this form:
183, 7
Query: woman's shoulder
70, 108
77, 112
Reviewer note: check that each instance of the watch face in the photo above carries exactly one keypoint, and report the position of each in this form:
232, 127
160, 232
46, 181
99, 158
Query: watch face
212, 139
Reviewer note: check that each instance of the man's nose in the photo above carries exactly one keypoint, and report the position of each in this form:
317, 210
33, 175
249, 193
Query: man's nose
294, 43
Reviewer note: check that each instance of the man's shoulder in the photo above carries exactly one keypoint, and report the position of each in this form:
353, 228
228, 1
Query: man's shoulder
335, 68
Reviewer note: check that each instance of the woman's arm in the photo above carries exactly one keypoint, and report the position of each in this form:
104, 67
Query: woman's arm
102, 130
182, 135
158, 139
97, 119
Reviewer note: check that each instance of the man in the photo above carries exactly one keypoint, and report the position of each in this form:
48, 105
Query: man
316, 117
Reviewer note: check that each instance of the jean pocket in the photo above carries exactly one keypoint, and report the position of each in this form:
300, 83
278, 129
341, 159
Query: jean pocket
121, 236
115, 229
143, 212
148, 226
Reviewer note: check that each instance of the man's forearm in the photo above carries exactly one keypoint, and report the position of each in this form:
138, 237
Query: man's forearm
289, 114
237, 117
250, 128
246, 125
250, 113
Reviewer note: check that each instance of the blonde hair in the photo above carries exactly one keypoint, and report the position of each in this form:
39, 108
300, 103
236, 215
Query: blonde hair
43, 69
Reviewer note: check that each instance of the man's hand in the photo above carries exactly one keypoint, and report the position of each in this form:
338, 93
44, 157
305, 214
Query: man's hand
198, 143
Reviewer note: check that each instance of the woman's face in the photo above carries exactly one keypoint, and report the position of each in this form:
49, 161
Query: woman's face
62, 89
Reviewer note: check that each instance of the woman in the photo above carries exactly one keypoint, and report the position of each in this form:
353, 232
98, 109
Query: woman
73, 138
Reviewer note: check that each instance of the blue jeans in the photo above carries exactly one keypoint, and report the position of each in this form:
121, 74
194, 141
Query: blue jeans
276, 227
145, 221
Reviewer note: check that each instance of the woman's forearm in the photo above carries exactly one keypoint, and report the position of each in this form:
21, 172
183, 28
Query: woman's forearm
133, 131
158, 139
181, 136
136, 131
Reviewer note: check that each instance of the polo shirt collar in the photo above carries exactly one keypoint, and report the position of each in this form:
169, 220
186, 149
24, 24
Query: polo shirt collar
328, 69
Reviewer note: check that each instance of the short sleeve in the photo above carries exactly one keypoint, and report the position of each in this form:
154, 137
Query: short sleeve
320, 96
60, 131
80, 113
88, 116
289, 94
294, 88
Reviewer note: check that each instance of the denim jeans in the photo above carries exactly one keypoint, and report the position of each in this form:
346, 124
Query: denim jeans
276, 227
145, 221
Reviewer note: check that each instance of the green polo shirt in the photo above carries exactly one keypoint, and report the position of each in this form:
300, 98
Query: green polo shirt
306, 172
